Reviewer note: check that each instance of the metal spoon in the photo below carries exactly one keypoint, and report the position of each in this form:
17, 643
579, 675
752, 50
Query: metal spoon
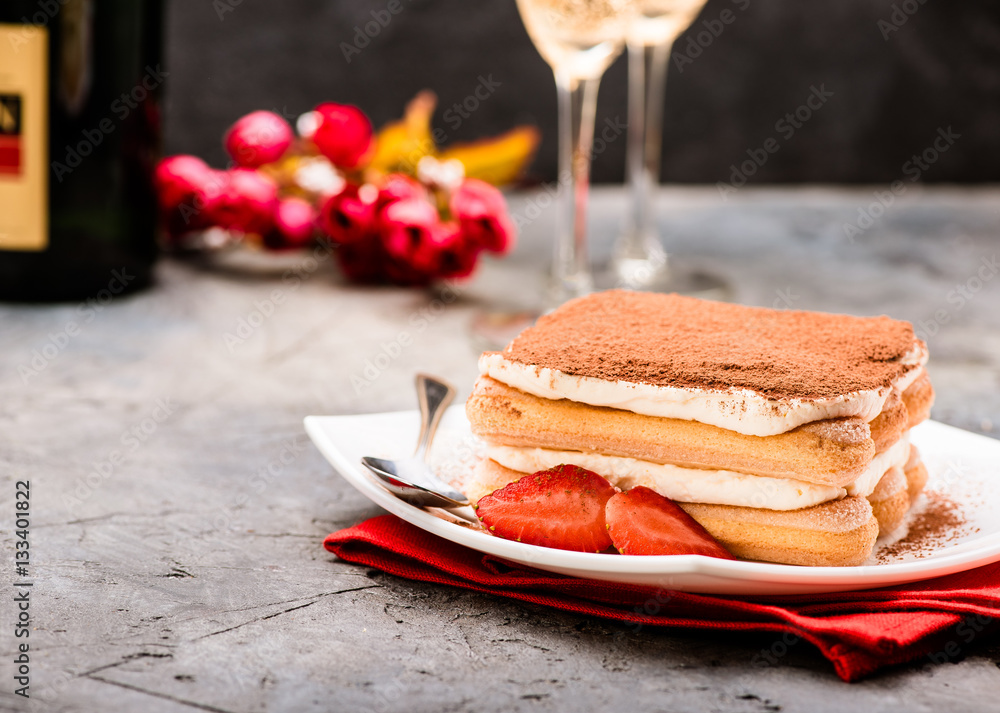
411, 479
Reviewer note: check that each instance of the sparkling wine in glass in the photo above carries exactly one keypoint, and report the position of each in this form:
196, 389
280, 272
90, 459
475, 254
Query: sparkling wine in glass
579, 39
639, 260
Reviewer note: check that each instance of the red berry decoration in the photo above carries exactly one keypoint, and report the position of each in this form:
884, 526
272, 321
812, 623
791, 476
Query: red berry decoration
258, 138
190, 194
347, 217
643, 522
456, 254
482, 213
364, 261
212, 198
177, 178
407, 227
344, 134
397, 187
420, 223
294, 225
562, 507
250, 199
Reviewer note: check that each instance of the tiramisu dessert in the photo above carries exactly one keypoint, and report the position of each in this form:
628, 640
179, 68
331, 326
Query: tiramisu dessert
784, 434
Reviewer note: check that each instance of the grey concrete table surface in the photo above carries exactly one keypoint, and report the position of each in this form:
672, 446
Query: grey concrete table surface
178, 508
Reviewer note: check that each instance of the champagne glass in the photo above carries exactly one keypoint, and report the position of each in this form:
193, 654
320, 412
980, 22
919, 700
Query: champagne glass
579, 39
639, 260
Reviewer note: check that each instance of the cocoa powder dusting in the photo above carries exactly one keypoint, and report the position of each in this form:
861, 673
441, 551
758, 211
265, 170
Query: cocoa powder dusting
670, 340
940, 522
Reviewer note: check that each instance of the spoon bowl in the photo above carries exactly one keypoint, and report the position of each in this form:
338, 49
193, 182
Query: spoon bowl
411, 479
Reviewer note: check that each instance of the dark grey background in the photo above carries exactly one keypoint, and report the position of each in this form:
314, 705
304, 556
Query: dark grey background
940, 69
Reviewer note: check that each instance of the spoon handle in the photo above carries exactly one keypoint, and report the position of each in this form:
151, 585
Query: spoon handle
433, 395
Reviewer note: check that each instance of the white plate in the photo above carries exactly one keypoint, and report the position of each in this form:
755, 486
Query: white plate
964, 465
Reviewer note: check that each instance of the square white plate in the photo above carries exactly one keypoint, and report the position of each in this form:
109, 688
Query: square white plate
965, 466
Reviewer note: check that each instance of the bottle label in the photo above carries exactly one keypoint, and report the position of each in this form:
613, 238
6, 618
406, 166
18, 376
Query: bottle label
24, 132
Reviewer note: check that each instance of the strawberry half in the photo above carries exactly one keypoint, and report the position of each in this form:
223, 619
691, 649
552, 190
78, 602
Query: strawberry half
562, 507
643, 522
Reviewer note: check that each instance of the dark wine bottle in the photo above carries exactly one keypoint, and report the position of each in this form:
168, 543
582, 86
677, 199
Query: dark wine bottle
80, 88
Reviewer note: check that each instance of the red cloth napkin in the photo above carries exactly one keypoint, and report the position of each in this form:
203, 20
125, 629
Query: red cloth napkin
859, 632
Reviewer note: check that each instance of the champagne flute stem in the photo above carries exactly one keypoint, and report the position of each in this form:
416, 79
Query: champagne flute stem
577, 108
647, 74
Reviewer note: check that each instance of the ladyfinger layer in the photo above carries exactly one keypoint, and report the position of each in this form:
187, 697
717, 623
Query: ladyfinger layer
832, 452
919, 398
887, 427
890, 500
836, 534
897, 491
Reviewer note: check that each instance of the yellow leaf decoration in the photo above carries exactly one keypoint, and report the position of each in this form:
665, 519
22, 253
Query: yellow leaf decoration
401, 144
497, 160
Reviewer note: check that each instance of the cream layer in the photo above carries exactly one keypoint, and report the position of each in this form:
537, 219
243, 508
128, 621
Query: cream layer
695, 485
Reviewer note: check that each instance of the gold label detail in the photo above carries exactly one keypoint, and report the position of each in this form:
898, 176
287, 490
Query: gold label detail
24, 132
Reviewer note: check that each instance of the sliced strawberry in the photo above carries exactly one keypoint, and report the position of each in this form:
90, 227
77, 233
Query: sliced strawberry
643, 522
562, 507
